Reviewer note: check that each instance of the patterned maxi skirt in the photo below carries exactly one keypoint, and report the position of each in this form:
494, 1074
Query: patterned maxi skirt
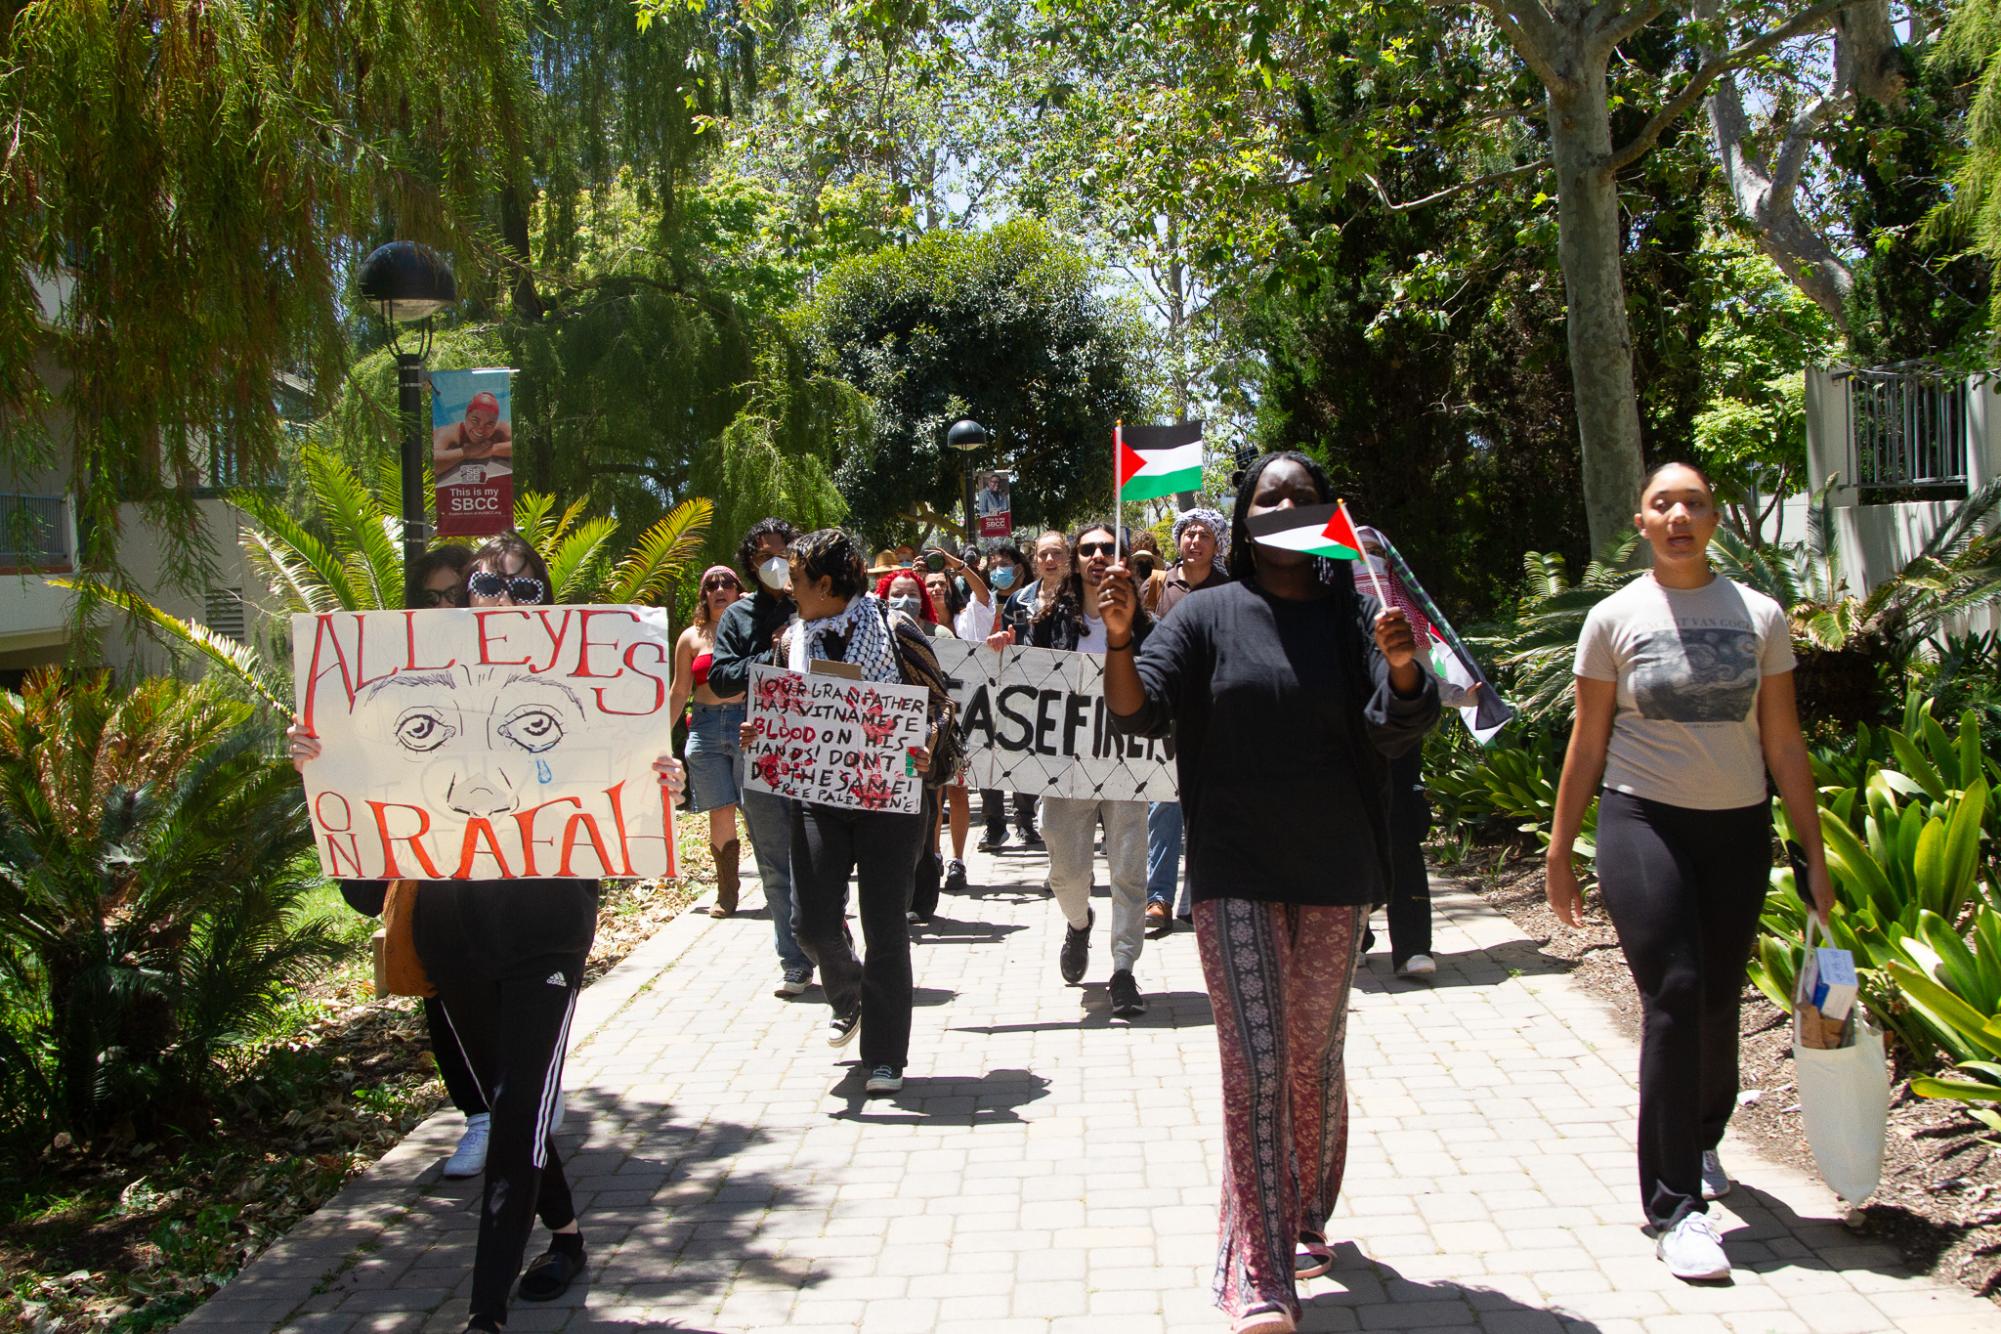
1278, 978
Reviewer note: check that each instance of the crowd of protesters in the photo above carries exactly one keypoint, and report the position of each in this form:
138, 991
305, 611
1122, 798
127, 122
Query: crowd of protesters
1296, 699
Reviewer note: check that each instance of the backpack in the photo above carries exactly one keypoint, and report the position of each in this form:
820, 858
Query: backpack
948, 743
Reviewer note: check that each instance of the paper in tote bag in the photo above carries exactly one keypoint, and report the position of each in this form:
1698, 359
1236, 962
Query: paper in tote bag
1844, 1093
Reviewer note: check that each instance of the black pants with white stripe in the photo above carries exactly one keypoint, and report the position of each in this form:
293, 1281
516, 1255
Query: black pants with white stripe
507, 959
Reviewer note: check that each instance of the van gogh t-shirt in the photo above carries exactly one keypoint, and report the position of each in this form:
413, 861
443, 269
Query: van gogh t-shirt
1688, 663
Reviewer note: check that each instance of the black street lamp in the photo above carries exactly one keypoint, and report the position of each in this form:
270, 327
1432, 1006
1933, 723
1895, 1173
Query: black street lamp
966, 436
408, 283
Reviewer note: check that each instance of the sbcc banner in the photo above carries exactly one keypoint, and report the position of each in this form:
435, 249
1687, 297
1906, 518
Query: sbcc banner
835, 741
1035, 721
487, 744
472, 451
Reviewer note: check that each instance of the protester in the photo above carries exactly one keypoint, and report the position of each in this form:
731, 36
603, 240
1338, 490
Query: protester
1006, 576
904, 591
1284, 689
744, 639
1203, 540
492, 949
837, 620
1051, 557
1068, 617
1684, 702
1149, 573
947, 606
712, 750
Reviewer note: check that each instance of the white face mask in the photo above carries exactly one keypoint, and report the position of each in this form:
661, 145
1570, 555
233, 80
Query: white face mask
909, 606
775, 574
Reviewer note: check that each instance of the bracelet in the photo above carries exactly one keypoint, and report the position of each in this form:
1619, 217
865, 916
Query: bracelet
1116, 648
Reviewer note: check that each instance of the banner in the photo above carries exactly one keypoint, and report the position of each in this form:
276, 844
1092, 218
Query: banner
487, 744
835, 741
1035, 721
472, 451
993, 504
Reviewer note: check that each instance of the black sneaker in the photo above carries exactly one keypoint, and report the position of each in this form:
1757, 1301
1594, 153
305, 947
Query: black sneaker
1030, 836
1075, 955
842, 1027
884, 1079
1127, 1003
993, 840
955, 876
794, 982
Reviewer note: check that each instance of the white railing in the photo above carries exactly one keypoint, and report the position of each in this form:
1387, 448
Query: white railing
1907, 427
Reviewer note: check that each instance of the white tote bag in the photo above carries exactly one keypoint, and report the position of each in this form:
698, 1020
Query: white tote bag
1844, 1100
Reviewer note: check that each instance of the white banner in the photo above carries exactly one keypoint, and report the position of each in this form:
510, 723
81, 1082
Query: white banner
487, 744
835, 741
1035, 721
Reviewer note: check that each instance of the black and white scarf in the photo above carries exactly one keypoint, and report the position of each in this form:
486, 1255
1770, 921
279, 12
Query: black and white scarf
863, 627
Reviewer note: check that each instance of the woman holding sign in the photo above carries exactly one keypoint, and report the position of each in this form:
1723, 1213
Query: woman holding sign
1684, 701
840, 621
507, 960
1285, 689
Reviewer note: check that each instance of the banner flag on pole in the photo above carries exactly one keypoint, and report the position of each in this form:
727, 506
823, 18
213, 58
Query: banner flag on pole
1155, 462
1482, 710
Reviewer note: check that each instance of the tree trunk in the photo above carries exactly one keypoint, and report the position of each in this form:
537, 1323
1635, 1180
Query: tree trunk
1601, 345
515, 244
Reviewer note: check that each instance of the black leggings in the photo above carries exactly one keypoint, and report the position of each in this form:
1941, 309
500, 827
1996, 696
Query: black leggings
879, 849
1684, 888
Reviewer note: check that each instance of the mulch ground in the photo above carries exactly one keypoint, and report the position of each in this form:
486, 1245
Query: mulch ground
133, 1236
1939, 1202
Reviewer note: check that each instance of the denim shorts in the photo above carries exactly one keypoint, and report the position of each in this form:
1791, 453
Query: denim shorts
713, 747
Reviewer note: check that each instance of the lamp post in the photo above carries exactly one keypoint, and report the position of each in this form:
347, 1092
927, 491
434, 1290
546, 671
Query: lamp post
408, 283
966, 436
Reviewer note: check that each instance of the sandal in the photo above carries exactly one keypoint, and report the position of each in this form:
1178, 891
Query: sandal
1271, 1320
1314, 1257
551, 1275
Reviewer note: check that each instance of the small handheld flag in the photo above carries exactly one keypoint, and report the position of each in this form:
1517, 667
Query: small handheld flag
1317, 530
1154, 462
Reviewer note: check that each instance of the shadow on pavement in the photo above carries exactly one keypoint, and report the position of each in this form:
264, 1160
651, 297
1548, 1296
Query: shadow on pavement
1473, 968
1360, 1281
942, 930
942, 1100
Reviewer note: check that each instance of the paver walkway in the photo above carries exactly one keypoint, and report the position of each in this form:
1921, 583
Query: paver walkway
1049, 1170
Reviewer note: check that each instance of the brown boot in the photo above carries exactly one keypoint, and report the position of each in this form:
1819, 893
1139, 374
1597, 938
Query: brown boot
726, 880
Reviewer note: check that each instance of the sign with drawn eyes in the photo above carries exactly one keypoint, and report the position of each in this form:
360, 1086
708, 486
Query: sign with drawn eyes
487, 744
835, 741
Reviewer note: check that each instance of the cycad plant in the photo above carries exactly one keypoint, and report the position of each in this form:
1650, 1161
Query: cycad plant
1538, 648
152, 865
348, 556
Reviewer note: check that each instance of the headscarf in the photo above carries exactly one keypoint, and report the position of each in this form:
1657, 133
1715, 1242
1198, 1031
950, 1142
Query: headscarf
1211, 520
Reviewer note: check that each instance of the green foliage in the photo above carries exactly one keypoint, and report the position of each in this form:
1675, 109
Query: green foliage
150, 872
1537, 648
1005, 326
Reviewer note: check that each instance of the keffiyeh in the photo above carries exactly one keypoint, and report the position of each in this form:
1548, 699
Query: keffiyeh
861, 625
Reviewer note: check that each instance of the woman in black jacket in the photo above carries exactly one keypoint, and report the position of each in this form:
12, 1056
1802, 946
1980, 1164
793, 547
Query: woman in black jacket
1285, 689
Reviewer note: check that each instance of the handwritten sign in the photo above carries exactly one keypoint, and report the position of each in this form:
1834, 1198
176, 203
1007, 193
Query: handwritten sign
835, 742
487, 744
1035, 721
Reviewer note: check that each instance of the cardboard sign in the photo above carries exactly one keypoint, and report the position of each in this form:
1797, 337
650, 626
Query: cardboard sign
834, 741
1035, 721
472, 451
487, 744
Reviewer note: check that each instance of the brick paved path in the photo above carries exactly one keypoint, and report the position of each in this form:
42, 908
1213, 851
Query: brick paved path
1049, 1170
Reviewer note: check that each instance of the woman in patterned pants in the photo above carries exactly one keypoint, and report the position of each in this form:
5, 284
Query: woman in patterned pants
1286, 691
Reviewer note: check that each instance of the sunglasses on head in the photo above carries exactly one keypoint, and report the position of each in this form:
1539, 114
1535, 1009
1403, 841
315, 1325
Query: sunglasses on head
520, 587
454, 596
1089, 549
720, 581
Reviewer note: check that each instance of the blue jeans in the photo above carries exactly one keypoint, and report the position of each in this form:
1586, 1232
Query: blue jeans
769, 820
1164, 882
713, 765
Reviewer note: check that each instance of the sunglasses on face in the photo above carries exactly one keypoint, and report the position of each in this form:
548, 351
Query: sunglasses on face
1090, 549
712, 585
443, 597
520, 587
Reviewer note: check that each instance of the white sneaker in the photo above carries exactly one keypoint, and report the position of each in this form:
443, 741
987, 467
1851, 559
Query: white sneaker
1716, 1182
469, 1158
1418, 965
1692, 1249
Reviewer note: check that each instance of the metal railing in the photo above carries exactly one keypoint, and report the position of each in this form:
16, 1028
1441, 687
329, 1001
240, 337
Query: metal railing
34, 533
1907, 427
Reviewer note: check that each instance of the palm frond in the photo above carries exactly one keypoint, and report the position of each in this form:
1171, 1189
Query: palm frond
577, 560
301, 570
360, 528
643, 576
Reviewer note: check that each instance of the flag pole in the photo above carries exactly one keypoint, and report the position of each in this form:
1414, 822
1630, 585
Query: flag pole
1375, 580
1118, 507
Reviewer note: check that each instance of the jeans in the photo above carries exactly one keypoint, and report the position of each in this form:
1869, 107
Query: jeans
993, 810
1684, 888
769, 820
715, 769
1164, 881
926, 884
1410, 886
1069, 826
880, 849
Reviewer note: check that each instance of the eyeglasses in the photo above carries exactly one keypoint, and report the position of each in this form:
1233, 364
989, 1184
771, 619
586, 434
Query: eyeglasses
720, 581
1089, 549
454, 596
521, 587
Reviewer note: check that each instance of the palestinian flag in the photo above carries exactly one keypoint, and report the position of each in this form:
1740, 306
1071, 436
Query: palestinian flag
1317, 530
1157, 461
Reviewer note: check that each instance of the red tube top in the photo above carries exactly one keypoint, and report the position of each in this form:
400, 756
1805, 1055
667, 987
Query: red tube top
700, 667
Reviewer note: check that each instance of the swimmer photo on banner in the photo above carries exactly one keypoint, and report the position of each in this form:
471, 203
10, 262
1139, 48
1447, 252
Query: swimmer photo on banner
472, 451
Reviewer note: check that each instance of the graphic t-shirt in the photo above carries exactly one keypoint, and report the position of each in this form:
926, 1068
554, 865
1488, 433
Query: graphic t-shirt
1688, 663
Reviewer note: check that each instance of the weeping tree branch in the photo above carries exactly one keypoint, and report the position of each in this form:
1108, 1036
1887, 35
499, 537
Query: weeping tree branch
1479, 182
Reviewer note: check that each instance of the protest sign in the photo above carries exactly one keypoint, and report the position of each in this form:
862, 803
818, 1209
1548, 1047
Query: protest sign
487, 744
472, 451
1035, 721
835, 741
